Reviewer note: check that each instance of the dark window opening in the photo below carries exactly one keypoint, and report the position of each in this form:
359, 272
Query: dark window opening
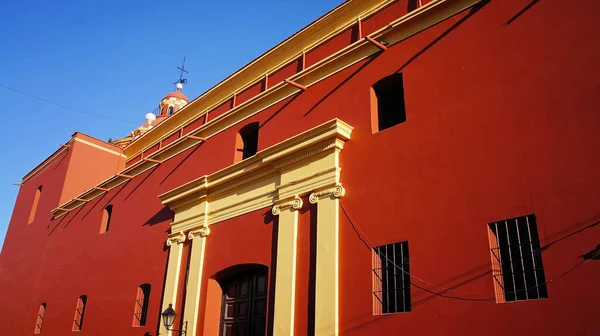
34, 205
170, 110
79, 313
387, 103
517, 260
244, 305
40, 318
247, 142
140, 312
391, 278
412, 5
106, 217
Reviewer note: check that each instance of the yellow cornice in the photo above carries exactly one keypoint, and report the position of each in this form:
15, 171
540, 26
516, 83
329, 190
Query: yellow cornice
277, 156
296, 166
396, 31
313, 35
268, 155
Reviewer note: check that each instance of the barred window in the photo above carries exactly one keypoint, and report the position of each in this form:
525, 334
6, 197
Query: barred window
391, 279
40, 318
140, 310
79, 313
517, 265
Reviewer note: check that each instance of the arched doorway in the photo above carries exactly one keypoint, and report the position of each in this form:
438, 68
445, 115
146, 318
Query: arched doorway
244, 305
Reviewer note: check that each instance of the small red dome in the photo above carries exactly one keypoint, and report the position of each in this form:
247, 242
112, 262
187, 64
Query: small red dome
176, 94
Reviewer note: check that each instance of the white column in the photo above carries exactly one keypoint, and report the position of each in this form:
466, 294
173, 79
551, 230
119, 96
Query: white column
192, 297
327, 263
285, 276
175, 242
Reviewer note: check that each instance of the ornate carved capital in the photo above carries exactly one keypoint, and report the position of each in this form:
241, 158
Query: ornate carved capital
175, 238
201, 232
295, 204
337, 191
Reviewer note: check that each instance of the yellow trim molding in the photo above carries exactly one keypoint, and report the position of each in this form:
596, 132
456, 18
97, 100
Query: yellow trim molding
175, 242
296, 166
198, 239
277, 176
315, 34
327, 260
395, 32
310, 37
285, 276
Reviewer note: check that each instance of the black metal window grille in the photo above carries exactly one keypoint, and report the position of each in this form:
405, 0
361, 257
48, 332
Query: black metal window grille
40, 318
391, 279
517, 265
140, 311
79, 313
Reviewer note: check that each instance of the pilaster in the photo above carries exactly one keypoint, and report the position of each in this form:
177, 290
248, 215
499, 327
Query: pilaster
285, 276
175, 242
192, 298
327, 261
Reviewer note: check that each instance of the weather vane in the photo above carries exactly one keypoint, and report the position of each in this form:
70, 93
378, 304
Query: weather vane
182, 71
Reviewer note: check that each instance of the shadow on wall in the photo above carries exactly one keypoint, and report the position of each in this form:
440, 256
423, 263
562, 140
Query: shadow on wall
181, 162
593, 254
342, 83
165, 214
141, 182
476, 8
270, 218
57, 165
280, 109
166, 249
521, 12
121, 187
566, 233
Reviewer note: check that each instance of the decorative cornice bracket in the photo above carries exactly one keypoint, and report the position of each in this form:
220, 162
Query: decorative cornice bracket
337, 192
294, 204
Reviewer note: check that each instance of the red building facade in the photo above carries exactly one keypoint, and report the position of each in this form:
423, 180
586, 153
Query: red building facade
396, 166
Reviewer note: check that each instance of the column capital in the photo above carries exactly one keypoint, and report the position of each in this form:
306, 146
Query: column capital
336, 191
175, 238
201, 232
294, 204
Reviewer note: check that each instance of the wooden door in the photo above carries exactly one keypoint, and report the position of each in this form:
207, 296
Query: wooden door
245, 305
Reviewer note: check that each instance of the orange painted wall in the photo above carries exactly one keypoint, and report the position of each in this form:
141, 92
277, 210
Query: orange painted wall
502, 117
251, 233
89, 166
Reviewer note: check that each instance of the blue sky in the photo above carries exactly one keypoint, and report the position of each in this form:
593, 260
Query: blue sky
117, 59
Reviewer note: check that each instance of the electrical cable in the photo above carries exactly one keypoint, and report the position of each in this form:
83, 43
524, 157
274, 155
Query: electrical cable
365, 240
65, 106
